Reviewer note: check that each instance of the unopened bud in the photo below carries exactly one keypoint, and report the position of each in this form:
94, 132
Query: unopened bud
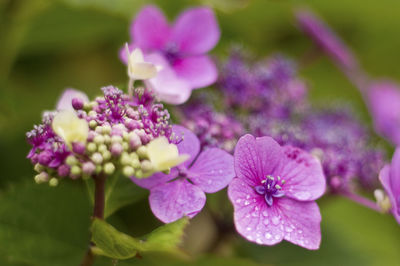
142, 152
128, 171
71, 160
109, 168
97, 158
53, 182
91, 147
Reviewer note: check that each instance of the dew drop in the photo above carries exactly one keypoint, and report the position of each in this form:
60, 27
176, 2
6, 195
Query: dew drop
248, 228
259, 241
238, 200
275, 220
265, 213
268, 236
303, 195
300, 231
248, 196
266, 221
289, 229
246, 202
254, 214
277, 237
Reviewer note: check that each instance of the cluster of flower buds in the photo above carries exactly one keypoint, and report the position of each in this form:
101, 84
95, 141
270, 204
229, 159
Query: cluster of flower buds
115, 132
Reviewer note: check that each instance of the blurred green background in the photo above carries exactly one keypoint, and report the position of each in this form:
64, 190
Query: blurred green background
47, 46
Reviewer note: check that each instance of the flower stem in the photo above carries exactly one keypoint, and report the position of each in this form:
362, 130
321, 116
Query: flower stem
362, 200
98, 212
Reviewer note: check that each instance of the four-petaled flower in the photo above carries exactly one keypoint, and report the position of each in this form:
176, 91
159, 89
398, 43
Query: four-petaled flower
179, 50
390, 179
181, 192
274, 192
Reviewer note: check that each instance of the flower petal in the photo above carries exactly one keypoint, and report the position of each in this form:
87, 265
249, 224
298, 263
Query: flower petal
168, 87
256, 158
254, 219
150, 29
172, 201
198, 71
155, 180
65, 101
303, 174
213, 170
302, 222
384, 98
189, 145
385, 178
196, 31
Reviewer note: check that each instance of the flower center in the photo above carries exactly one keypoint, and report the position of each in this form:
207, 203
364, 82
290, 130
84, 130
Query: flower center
271, 188
171, 52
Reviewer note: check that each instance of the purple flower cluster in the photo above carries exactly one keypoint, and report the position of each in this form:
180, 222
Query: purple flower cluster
119, 128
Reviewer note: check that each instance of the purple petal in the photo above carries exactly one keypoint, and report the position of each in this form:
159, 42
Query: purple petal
385, 178
254, 219
65, 101
168, 87
172, 201
302, 222
323, 36
189, 145
198, 71
150, 29
303, 174
155, 180
256, 158
384, 99
196, 31
213, 170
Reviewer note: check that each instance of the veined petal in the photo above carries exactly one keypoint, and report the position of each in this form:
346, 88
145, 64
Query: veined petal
189, 145
174, 200
213, 170
150, 29
155, 180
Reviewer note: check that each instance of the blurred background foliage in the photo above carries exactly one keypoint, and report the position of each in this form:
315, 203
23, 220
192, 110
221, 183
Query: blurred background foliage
47, 46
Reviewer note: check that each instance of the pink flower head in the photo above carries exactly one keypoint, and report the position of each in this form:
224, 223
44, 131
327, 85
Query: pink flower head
181, 193
326, 39
274, 192
390, 179
384, 106
180, 49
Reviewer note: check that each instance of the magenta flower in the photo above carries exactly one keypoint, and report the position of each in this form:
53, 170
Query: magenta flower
384, 106
274, 192
179, 49
390, 179
181, 193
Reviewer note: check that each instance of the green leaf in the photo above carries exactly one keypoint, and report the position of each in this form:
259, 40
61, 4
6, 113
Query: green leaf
117, 245
113, 243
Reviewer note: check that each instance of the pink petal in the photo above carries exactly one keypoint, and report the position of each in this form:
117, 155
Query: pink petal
189, 145
174, 200
254, 220
302, 222
122, 52
155, 180
196, 31
168, 87
150, 29
384, 98
65, 101
198, 71
256, 158
303, 174
385, 178
395, 172
213, 170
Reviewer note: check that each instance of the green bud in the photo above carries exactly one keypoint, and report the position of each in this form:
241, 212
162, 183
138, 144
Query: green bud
146, 166
125, 135
125, 146
39, 168
125, 158
71, 160
102, 148
106, 155
128, 171
106, 129
42, 177
98, 169
116, 139
86, 106
91, 147
107, 139
142, 152
53, 182
76, 170
92, 123
134, 156
97, 158
99, 139
139, 174
93, 104
109, 168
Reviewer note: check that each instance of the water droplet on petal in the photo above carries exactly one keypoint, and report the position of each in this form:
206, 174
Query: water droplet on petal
248, 196
259, 241
268, 236
265, 213
246, 202
266, 221
275, 220
248, 228
289, 229
302, 195
277, 237
238, 200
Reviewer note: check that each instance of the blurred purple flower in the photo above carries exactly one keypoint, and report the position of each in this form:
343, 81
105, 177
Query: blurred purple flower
326, 39
180, 50
390, 179
181, 192
384, 105
274, 193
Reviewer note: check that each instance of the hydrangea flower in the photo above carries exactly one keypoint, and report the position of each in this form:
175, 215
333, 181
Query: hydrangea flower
384, 106
274, 193
390, 179
181, 192
179, 49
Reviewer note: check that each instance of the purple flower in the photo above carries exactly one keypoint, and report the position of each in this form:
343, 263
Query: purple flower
326, 39
384, 106
274, 192
390, 179
181, 192
179, 49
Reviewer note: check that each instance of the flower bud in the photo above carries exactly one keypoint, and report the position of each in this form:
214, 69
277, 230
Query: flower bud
63, 170
106, 155
78, 148
53, 182
109, 168
116, 149
42, 177
88, 168
128, 171
77, 103
91, 147
97, 158
71, 160
142, 152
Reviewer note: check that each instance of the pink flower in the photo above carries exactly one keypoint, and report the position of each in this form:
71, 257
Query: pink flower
274, 192
181, 193
390, 179
179, 49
